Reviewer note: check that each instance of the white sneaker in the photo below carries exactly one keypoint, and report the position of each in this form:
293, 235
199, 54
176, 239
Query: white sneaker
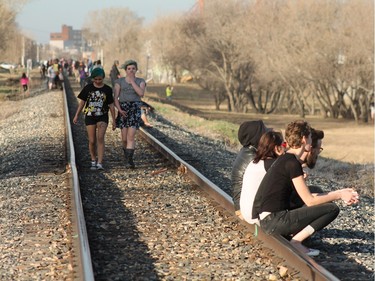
99, 166
313, 252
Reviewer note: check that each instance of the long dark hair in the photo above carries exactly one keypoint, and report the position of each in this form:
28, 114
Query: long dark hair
267, 144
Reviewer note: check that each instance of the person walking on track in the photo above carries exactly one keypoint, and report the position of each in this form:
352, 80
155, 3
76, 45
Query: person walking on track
128, 93
96, 99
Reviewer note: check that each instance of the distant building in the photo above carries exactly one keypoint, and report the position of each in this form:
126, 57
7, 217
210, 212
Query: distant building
68, 39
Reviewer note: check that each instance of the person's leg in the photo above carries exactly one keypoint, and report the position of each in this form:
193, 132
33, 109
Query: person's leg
145, 120
130, 145
301, 223
91, 133
102, 127
130, 138
124, 133
293, 221
317, 216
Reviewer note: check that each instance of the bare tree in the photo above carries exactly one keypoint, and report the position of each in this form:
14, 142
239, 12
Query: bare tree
217, 50
116, 31
301, 57
10, 35
308, 44
7, 25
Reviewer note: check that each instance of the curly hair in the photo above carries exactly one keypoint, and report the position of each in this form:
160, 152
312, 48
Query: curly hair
295, 131
267, 144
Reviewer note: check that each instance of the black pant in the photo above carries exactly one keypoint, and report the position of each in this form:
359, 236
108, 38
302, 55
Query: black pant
290, 222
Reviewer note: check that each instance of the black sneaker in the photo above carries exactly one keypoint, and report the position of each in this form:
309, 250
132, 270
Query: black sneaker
93, 165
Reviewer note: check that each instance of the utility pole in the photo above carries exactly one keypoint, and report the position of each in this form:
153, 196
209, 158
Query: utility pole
37, 52
23, 52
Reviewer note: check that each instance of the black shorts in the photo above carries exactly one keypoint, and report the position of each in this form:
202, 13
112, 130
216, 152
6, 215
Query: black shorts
92, 120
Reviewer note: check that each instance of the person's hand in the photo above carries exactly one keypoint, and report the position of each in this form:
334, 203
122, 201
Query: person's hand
349, 196
131, 79
75, 120
122, 113
113, 125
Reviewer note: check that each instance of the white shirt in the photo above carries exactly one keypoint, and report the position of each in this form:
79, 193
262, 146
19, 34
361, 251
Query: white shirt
252, 178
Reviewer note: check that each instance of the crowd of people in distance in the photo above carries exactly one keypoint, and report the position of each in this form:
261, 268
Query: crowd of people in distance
269, 187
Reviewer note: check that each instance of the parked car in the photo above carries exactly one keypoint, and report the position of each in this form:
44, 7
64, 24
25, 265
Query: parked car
8, 66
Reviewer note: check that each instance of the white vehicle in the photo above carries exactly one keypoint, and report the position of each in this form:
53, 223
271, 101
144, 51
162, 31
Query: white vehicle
8, 66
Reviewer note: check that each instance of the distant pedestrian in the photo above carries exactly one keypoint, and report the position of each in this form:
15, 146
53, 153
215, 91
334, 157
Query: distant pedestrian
168, 92
372, 111
115, 73
43, 71
82, 76
24, 82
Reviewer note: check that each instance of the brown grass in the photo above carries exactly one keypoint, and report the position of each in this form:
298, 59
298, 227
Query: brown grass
348, 156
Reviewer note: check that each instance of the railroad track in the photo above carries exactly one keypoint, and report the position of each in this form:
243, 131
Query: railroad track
138, 228
161, 221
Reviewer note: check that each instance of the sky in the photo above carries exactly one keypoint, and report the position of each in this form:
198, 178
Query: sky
39, 18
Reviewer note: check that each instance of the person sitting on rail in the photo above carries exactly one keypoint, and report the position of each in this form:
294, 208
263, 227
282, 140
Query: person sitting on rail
96, 98
128, 93
272, 201
308, 160
249, 134
270, 147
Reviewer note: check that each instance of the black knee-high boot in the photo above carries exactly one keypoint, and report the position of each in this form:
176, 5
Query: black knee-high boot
129, 163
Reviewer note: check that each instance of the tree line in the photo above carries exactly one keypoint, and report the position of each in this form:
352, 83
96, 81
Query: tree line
311, 57
297, 57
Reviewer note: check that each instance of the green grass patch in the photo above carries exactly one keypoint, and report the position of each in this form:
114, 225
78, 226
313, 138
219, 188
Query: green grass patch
215, 129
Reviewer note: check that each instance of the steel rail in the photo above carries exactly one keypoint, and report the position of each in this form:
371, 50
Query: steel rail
80, 239
308, 268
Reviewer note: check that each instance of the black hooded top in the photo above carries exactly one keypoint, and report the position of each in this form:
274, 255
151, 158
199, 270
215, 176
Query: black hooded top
249, 135
250, 132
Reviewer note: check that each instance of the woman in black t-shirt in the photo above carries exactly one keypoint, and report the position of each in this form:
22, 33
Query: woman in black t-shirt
272, 201
96, 100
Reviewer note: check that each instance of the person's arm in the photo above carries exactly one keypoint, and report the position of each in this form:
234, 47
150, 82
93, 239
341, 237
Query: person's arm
140, 90
348, 195
79, 109
116, 94
113, 114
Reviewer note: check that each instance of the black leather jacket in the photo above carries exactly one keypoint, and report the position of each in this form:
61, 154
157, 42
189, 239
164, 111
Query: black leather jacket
244, 157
